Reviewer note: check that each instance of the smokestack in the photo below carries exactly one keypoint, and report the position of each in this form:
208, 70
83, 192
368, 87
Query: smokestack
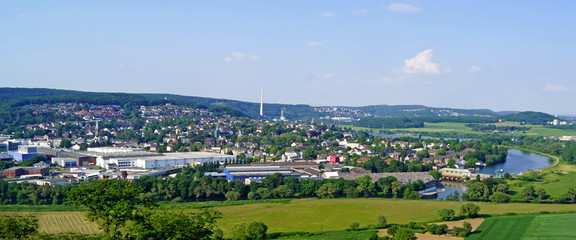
262, 101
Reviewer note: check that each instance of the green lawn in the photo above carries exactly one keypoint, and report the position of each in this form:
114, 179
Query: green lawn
544, 226
313, 215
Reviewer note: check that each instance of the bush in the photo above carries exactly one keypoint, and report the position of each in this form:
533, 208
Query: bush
436, 229
353, 226
469, 210
499, 197
446, 214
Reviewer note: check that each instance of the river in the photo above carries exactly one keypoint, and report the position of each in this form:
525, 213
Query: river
517, 161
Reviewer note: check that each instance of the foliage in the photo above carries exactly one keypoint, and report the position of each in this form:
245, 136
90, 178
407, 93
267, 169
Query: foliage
469, 210
436, 229
353, 226
17, 226
404, 234
381, 221
252, 231
389, 123
446, 214
175, 225
500, 197
33, 160
63, 236
111, 203
463, 231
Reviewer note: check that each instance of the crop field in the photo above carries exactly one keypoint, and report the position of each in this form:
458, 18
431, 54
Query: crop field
55, 222
545, 226
313, 215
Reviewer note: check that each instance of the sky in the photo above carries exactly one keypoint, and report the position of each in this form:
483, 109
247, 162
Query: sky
489, 54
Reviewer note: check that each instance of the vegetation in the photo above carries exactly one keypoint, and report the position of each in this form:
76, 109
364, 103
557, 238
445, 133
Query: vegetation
17, 226
111, 203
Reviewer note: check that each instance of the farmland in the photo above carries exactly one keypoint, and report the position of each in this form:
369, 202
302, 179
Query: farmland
544, 226
311, 215
449, 127
337, 214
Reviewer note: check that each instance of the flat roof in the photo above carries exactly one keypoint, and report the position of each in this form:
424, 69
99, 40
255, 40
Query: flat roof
175, 156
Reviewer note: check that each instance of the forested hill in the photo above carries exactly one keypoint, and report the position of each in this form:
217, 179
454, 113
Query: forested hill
19, 96
423, 111
18, 93
271, 110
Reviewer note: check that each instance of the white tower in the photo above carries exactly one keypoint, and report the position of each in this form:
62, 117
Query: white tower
262, 101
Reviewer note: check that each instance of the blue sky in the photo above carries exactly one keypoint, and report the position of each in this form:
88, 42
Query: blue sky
499, 55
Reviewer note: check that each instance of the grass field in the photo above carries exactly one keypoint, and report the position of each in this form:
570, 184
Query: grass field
545, 226
444, 127
336, 214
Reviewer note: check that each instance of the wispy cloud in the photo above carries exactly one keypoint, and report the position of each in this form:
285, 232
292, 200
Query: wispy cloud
422, 63
314, 44
402, 7
555, 88
238, 56
474, 69
327, 14
360, 12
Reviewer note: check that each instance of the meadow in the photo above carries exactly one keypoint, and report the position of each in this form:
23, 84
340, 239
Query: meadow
543, 226
315, 215
310, 214
448, 127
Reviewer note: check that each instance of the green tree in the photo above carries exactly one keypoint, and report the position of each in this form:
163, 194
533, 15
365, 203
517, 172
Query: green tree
500, 197
17, 226
405, 234
252, 231
353, 226
65, 143
381, 221
232, 195
528, 193
110, 203
469, 210
175, 225
327, 190
446, 214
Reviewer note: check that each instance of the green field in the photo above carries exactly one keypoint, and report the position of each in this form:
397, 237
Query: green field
445, 127
545, 226
313, 215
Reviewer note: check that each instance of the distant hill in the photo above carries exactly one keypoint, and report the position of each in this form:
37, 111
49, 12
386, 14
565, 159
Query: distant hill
536, 118
16, 93
273, 110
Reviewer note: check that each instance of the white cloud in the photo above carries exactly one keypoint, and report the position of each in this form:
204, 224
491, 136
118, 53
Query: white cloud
238, 56
327, 14
314, 44
422, 63
360, 12
474, 69
555, 88
402, 7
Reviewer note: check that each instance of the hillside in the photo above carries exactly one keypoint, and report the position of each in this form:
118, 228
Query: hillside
272, 110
